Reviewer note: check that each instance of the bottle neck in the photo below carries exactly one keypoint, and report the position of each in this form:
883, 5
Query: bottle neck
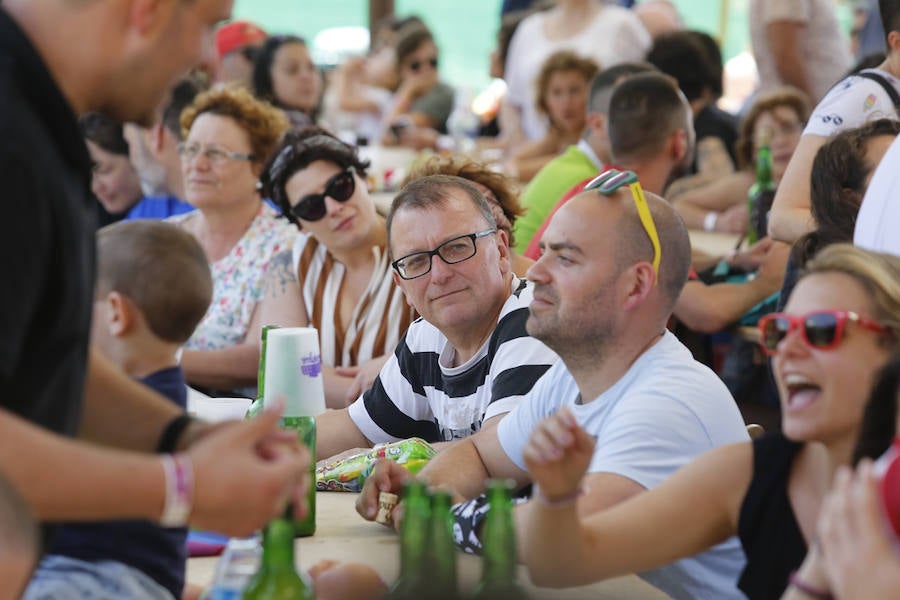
764, 166
414, 533
278, 545
499, 540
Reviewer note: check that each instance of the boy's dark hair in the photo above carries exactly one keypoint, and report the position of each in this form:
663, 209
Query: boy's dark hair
162, 269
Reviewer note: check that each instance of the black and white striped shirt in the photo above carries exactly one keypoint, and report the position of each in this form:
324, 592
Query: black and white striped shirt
418, 395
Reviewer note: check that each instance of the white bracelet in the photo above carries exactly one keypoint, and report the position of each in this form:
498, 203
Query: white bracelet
179, 490
709, 221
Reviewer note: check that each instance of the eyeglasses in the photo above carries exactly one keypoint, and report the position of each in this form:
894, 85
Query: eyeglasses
453, 251
214, 154
340, 187
611, 180
418, 64
821, 329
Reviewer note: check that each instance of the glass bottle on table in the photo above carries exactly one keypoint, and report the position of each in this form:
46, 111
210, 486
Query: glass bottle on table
293, 372
498, 540
762, 192
441, 550
277, 577
415, 581
257, 405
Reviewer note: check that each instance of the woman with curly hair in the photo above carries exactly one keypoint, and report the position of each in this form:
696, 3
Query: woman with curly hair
229, 135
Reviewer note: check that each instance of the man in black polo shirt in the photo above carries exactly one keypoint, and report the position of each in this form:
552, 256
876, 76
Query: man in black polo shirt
58, 59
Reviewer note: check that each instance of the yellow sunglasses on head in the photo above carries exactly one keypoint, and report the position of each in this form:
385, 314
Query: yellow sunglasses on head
611, 180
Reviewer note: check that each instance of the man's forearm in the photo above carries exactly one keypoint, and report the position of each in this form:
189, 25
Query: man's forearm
121, 412
63, 479
458, 467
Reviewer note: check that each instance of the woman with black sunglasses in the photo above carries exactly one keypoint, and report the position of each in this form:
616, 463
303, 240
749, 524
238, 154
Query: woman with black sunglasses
422, 103
841, 325
337, 277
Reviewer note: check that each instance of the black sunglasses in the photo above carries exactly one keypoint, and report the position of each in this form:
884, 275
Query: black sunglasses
340, 187
415, 66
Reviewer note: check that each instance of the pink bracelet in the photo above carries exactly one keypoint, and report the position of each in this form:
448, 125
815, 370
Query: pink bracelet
179, 490
808, 589
566, 500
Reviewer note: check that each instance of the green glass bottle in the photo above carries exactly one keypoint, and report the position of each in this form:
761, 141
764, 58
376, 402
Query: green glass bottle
277, 578
256, 406
762, 192
414, 581
498, 570
306, 431
441, 550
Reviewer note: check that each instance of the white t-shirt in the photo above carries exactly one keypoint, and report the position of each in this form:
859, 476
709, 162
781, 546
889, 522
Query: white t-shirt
615, 35
665, 411
879, 215
851, 103
826, 50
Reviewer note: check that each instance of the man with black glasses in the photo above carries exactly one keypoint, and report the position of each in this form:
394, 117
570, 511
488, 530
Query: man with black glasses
468, 360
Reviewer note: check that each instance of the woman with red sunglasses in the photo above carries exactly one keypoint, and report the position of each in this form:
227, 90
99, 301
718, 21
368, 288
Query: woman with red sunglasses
841, 325
337, 277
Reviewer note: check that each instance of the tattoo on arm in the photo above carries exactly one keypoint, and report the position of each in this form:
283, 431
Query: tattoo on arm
281, 274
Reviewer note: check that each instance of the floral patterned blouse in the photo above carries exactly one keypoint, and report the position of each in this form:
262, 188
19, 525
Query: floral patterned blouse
239, 280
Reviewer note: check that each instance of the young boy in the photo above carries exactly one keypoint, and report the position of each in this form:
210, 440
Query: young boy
153, 287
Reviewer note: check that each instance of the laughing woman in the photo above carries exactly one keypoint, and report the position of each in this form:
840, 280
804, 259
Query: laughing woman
338, 277
229, 136
841, 325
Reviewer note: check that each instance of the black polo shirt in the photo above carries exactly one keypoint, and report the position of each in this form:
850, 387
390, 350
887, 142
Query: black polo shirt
46, 241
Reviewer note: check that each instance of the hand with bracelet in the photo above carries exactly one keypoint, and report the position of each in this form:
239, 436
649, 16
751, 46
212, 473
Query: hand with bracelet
558, 455
234, 476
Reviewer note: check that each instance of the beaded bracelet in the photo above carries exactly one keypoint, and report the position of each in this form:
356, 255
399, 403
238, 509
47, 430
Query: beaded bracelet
809, 589
179, 490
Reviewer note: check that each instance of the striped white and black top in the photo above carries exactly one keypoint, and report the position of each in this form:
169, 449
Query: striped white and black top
417, 395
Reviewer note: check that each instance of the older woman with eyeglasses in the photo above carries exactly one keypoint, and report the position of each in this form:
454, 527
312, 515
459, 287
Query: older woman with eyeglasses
228, 137
337, 277
840, 327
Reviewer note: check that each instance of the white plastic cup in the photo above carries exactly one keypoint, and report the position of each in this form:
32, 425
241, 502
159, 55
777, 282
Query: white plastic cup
294, 371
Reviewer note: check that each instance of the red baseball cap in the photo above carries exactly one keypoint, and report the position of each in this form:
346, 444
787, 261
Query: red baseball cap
237, 34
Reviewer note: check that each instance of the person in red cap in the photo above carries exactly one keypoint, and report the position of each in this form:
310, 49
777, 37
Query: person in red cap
236, 44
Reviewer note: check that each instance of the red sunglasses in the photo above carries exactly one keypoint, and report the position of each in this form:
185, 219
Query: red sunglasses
823, 329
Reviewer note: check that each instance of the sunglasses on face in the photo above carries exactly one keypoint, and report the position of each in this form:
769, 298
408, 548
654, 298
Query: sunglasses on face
418, 64
823, 329
340, 187
611, 180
